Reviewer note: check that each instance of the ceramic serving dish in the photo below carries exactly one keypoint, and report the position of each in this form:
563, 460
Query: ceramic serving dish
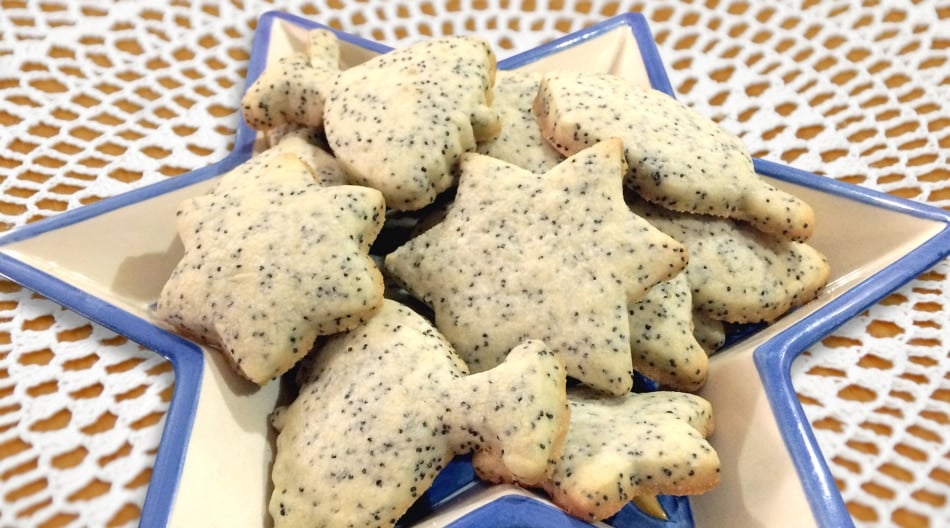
109, 260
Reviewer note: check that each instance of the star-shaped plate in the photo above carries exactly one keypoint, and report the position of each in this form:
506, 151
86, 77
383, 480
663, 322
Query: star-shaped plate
109, 260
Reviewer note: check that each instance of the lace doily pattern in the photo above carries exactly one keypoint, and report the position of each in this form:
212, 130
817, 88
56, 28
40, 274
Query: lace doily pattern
876, 392
96, 100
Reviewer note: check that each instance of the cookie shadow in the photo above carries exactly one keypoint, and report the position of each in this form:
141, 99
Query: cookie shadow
140, 278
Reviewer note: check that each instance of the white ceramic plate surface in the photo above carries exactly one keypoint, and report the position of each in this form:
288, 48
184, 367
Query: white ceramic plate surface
109, 260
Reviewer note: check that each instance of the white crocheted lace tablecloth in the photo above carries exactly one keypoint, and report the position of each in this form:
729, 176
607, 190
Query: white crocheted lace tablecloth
99, 98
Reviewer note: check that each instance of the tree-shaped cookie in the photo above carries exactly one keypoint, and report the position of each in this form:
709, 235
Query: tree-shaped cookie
677, 157
400, 121
272, 260
293, 89
384, 407
555, 256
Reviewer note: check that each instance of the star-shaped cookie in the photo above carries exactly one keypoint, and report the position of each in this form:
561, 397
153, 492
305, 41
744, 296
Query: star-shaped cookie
272, 260
555, 256
631, 446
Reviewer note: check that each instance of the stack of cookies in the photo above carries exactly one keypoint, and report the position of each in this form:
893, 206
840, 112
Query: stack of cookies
565, 231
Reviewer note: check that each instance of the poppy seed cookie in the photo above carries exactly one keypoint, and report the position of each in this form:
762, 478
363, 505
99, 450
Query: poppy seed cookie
629, 446
520, 141
384, 407
634, 445
677, 157
293, 90
555, 256
710, 333
661, 337
739, 274
271, 261
400, 121
325, 169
